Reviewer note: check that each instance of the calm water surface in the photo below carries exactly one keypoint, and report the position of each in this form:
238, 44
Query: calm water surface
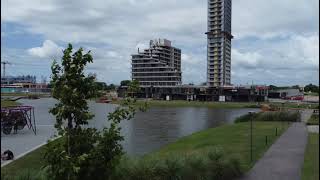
150, 130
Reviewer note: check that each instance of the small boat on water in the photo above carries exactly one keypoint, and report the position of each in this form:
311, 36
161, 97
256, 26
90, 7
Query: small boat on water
103, 100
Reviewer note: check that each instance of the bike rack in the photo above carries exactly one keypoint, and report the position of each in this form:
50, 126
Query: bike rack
13, 116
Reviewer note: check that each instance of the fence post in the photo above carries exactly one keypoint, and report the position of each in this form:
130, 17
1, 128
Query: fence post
276, 131
266, 140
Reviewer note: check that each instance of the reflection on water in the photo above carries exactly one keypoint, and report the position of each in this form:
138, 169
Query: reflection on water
150, 130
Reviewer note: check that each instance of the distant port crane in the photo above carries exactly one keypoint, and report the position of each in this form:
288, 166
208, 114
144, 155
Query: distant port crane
4, 67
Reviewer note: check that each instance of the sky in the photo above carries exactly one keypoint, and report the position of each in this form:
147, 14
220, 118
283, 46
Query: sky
275, 42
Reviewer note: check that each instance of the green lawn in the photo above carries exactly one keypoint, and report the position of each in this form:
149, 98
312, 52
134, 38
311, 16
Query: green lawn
14, 94
234, 139
32, 161
25, 94
314, 120
310, 169
5, 103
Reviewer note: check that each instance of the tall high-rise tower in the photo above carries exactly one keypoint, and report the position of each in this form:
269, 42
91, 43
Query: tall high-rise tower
219, 43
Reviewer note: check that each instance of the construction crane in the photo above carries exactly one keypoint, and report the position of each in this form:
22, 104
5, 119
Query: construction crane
4, 67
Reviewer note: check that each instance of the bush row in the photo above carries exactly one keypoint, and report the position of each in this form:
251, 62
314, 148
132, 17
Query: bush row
213, 165
270, 116
210, 165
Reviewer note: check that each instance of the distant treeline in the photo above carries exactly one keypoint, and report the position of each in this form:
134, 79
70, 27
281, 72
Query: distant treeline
307, 88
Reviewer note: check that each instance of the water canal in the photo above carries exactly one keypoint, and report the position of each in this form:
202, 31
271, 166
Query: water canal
147, 132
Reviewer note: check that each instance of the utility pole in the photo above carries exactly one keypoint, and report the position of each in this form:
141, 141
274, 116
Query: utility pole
4, 67
251, 148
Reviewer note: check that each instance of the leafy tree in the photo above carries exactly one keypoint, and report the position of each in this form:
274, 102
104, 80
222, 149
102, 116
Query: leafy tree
111, 87
296, 87
125, 83
101, 85
312, 88
82, 152
272, 87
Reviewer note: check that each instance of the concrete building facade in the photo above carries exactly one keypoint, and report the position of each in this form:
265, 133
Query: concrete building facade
157, 66
219, 43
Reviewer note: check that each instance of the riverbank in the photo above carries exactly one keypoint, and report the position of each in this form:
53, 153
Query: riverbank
180, 103
5, 103
233, 139
25, 94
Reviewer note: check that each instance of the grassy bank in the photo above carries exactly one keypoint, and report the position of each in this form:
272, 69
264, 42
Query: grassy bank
310, 169
232, 139
270, 116
26, 94
181, 103
5, 103
314, 120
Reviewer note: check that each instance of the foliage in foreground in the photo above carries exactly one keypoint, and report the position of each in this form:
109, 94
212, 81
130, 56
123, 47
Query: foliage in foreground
210, 165
82, 152
270, 116
213, 165
233, 139
314, 120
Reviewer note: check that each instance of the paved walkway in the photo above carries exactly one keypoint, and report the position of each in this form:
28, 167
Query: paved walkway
284, 159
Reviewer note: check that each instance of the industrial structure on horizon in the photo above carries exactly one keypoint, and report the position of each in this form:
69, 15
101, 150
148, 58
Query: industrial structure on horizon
18, 84
219, 43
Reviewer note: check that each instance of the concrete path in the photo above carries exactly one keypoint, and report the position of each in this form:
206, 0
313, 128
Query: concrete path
284, 159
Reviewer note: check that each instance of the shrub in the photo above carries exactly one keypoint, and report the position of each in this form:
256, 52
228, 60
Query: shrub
246, 117
29, 174
314, 120
279, 116
271, 116
202, 165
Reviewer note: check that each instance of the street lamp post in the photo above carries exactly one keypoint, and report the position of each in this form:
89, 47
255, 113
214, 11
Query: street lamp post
251, 118
282, 120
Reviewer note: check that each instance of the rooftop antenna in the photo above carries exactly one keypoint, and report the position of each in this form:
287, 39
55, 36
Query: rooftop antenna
4, 67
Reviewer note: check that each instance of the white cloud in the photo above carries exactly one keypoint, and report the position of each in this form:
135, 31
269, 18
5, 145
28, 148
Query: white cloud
247, 59
142, 46
294, 60
273, 18
279, 36
48, 49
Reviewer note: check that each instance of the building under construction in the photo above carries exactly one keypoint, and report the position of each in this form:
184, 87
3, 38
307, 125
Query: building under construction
157, 66
158, 70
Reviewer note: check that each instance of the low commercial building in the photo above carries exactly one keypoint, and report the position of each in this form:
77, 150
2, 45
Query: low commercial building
202, 93
289, 94
18, 79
